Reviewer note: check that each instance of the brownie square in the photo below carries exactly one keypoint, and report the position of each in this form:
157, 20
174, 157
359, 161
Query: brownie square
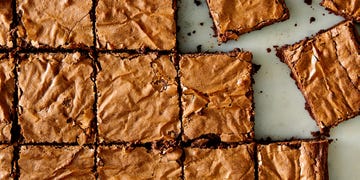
5, 22
119, 162
217, 96
6, 159
137, 98
136, 24
223, 163
233, 18
349, 9
49, 162
293, 160
7, 89
54, 24
56, 98
326, 68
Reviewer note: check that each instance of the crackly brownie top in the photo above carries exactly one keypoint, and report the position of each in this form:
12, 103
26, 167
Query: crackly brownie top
7, 88
136, 24
217, 96
56, 98
293, 160
6, 158
137, 98
138, 163
55, 23
327, 70
49, 162
5, 21
234, 17
227, 163
348, 8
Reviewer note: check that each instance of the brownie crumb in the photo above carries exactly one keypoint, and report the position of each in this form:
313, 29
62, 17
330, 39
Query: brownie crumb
268, 50
197, 2
312, 19
189, 34
198, 48
256, 68
194, 32
201, 24
261, 92
323, 14
275, 46
295, 24
308, 2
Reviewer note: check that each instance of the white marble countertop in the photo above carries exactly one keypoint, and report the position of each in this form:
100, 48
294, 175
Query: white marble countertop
279, 105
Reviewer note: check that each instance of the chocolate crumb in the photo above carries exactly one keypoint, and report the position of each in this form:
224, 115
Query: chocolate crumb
268, 50
295, 25
201, 24
198, 48
189, 34
261, 92
312, 19
323, 14
308, 2
194, 32
197, 2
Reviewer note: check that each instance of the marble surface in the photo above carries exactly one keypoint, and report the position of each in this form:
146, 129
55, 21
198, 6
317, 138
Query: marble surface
279, 105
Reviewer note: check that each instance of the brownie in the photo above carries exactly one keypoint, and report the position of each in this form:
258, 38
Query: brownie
5, 22
326, 68
120, 162
233, 18
7, 89
293, 160
50, 162
56, 98
137, 98
222, 163
217, 96
6, 159
350, 9
136, 24
55, 23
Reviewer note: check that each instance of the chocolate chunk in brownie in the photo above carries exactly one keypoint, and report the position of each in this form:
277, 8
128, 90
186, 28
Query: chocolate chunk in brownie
137, 98
217, 96
327, 70
136, 24
56, 98
233, 18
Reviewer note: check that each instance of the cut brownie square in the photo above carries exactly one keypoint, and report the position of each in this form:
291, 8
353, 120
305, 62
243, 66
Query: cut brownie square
56, 98
55, 23
119, 162
223, 163
293, 160
5, 22
7, 89
136, 24
327, 70
233, 18
52, 162
137, 98
6, 159
217, 96
350, 9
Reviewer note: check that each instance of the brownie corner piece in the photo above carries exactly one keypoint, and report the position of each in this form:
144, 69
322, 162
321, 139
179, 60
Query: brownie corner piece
6, 159
349, 9
220, 163
56, 98
217, 96
136, 25
56, 162
233, 18
137, 98
56, 24
138, 163
293, 160
5, 23
326, 69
